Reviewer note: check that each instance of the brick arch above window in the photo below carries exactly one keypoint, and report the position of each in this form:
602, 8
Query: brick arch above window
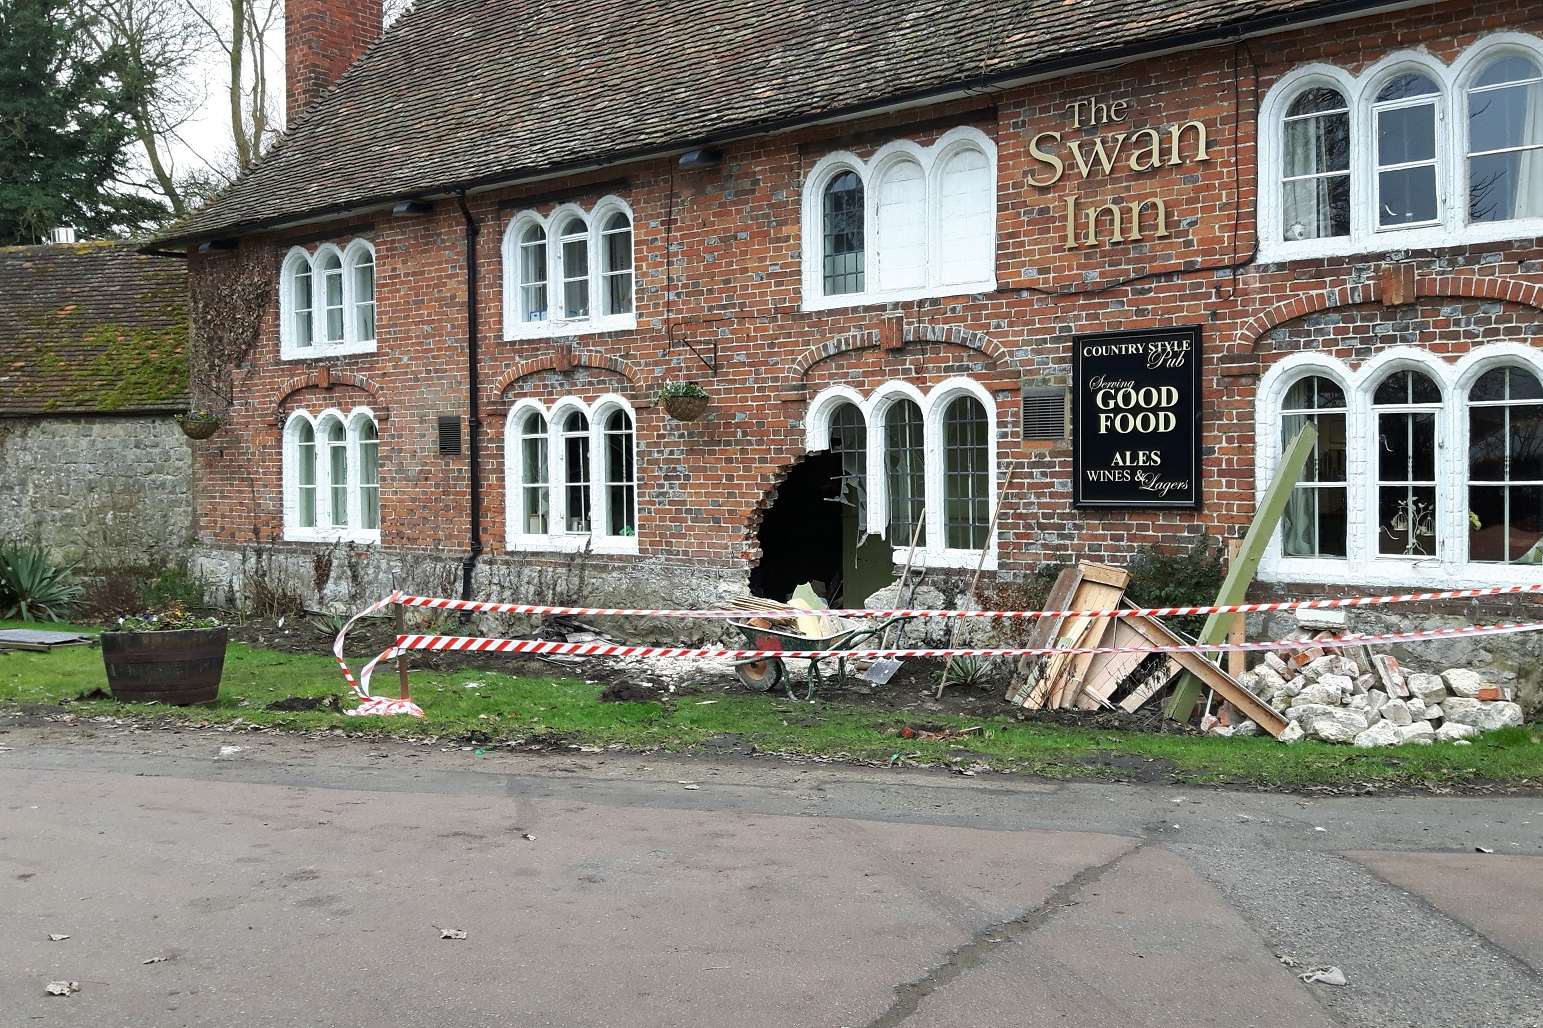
562, 360
1392, 291
873, 339
325, 380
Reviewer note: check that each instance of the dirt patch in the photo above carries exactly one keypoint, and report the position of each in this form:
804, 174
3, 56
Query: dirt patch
1130, 767
294, 704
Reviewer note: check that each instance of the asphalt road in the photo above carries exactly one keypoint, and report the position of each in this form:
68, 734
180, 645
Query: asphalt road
305, 882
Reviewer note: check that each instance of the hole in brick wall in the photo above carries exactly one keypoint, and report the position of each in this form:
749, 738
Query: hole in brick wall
801, 533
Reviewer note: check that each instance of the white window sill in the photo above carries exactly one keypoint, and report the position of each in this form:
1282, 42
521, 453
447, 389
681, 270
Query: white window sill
826, 303
572, 544
939, 558
361, 536
1429, 575
559, 329
1273, 251
320, 350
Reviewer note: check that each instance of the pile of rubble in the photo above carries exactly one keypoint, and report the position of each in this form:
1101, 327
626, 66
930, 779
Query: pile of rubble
1373, 702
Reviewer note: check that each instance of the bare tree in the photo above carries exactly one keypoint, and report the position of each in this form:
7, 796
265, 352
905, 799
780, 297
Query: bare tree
159, 44
242, 29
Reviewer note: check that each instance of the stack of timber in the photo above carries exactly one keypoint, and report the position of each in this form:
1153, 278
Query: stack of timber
1096, 681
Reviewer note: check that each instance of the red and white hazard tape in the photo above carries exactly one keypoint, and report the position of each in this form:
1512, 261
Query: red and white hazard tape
439, 603
477, 644
378, 705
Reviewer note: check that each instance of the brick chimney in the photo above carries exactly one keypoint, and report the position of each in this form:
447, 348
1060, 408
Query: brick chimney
322, 38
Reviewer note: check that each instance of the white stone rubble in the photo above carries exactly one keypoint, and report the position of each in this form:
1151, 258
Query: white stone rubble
1335, 699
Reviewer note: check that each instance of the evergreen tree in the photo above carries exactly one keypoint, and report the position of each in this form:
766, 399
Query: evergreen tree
66, 138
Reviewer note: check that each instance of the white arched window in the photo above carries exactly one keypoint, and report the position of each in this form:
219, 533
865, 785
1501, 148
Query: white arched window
616, 263
573, 268
572, 476
1406, 112
966, 217
332, 477
327, 303
619, 445
917, 467
574, 453
360, 257
1428, 473
1315, 165
1315, 523
1407, 408
571, 272
901, 218
909, 222
1505, 467
905, 472
843, 248
1505, 139
849, 441
1434, 155
966, 473
306, 505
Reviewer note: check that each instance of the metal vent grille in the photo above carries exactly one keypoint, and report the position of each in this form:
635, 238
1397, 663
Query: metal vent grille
1044, 414
450, 436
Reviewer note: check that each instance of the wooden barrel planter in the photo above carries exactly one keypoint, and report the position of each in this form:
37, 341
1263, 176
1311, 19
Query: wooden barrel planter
180, 667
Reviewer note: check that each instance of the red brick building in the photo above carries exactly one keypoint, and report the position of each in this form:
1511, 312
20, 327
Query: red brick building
882, 237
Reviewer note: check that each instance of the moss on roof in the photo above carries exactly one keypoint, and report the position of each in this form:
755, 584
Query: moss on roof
91, 328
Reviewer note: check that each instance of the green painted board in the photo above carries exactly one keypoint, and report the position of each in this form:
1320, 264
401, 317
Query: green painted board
1240, 575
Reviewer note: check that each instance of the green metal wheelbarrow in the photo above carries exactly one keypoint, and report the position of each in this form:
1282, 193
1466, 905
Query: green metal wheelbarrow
763, 675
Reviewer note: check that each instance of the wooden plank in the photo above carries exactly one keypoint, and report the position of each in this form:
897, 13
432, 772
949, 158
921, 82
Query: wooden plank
1237, 660
1241, 571
1138, 698
1223, 684
1107, 670
1058, 680
1044, 630
1093, 595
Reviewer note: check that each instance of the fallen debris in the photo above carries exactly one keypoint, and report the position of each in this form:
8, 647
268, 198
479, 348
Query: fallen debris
1325, 976
155, 960
63, 988
451, 933
230, 751
54, 937
1329, 698
933, 734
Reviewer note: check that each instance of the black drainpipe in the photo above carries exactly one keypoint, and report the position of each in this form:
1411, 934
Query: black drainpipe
473, 421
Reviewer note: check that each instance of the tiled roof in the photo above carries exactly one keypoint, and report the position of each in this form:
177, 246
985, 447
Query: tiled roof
469, 92
91, 328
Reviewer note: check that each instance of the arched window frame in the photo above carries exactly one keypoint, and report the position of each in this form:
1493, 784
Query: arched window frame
1452, 146
1451, 567
291, 345
556, 539
870, 172
355, 254
352, 529
516, 324
932, 551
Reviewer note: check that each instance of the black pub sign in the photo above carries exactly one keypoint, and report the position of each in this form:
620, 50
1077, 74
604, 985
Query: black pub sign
1136, 413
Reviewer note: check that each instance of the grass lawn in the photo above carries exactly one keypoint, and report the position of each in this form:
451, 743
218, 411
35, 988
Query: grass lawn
508, 708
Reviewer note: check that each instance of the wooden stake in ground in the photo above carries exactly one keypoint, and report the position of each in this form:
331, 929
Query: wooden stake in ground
1241, 573
1237, 660
401, 656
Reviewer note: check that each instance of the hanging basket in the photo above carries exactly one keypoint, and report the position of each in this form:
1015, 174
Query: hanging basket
686, 408
199, 426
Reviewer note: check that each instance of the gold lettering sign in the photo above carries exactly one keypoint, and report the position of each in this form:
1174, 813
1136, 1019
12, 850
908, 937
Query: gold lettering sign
1115, 150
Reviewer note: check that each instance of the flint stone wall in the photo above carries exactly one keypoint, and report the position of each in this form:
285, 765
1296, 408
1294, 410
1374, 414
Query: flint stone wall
97, 490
